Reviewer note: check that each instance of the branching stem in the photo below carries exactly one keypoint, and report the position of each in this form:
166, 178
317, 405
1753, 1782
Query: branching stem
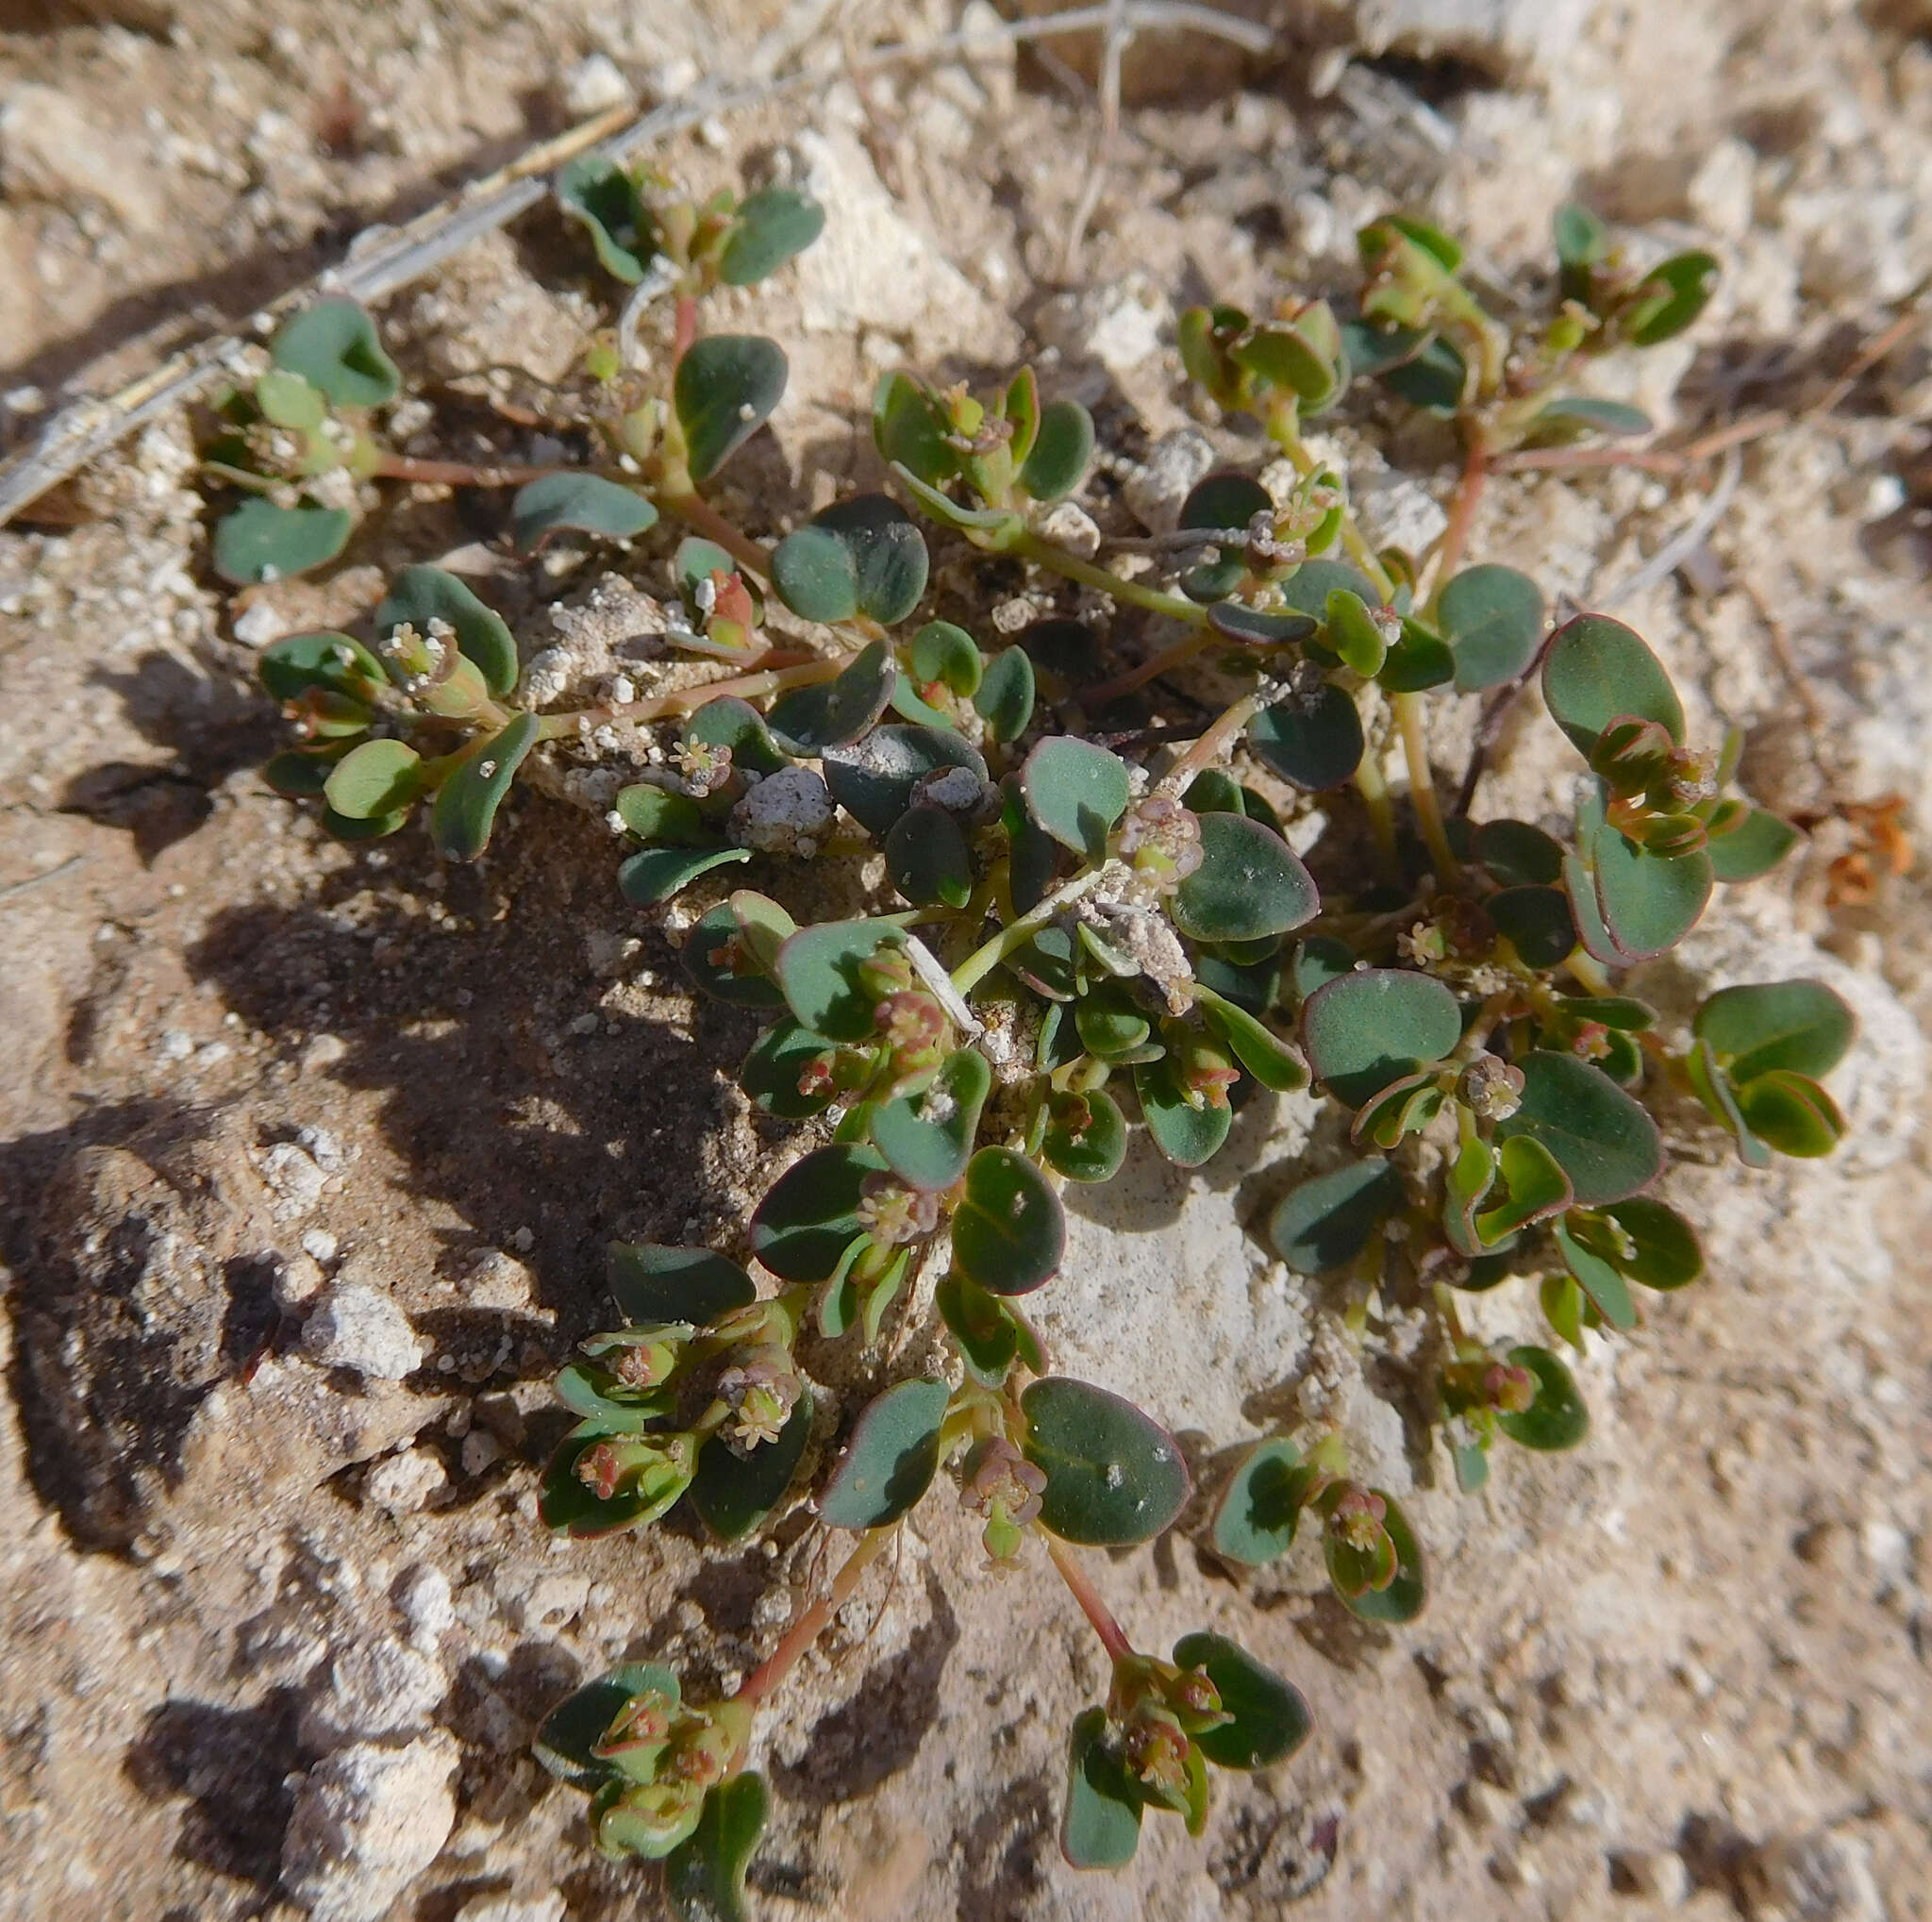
1049, 554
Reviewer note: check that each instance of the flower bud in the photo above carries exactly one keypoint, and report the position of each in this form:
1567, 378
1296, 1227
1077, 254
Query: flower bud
1491, 1088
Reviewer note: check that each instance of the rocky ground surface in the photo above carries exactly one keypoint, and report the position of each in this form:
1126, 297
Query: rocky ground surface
309, 1152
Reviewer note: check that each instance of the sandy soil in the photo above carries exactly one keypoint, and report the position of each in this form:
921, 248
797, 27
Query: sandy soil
1682, 1671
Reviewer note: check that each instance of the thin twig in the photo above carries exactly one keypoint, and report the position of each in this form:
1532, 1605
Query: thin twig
15, 889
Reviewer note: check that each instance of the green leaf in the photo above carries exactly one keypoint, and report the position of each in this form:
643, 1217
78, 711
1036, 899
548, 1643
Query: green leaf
1791, 1113
1401, 1600
1602, 1139
1537, 1188
864, 556
334, 346
1009, 1232
1110, 1024
1800, 1025
658, 873
944, 653
1536, 922
377, 777
1665, 1253
1314, 748
982, 1327
873, 778
704, 1876
1086, 1137
1259, 1049
1648, 902
1354, 636
466, 804
568, 1504
301, 774
1371, 1027
888, 1462
1323, 1223
772, 1070
1101, 1825
1571, 416
1057, 462
1557, 1418
1712, 1087
602, 198
1225, 501
1751, 848
291, 666
808, 720
928, 859
1317, 961
773, 226
1582, 239
734, 1493
1419, 660
1250, 884
725, 390
1257, 1517
1076, 791
585, 502
909, 432
1597, 1278
566, 1744
345, 828
1258, 627
657, 815
728, 722
1518, 854
1668, 298
422, 595
1492, 619
260, 542
818, 969
1289, 363
1596, 671
654, 1282
927, 1139
287, 400
809, 1215
1187, 1132
1435, 379
1004, 698
1113, 1476
1271, 1718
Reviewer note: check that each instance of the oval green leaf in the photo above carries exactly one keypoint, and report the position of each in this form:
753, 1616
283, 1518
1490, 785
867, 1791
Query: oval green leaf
725, 389
773, 226
704, 1876
1250, 884
1114, 1477
1271, 1718
1323, 1223
334, 346
376, 778
927, 1137
734, 1493
873, 778
818, 969
1492, 619
260, 542
1800, 1025
1557, 1418
1009, 1232
586, 503
1597, 670
1056, 464
422, 595
809, 1216
656, 874
808, 720
1371, 1027
1603, 1139
1312, 748
890, 1459
466, 804
1401, 1600
1075, 792
655, 1282
1257, 1517
1100, 1827
1187, 1132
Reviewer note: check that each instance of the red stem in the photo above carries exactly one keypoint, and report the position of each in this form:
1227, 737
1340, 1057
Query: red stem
457, 473
809, 1626
1113, 1637
686, 329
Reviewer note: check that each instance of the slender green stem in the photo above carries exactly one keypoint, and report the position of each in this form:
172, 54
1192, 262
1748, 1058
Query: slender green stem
1044, 553
1586, 970
1421, 785
1373, 790
1112, 1636
809, 1626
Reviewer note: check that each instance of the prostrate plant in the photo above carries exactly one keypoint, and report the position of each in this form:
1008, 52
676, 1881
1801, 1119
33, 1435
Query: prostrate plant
1083, 933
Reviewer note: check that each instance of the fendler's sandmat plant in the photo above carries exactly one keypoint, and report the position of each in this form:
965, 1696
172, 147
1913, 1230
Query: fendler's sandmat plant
1072, 932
